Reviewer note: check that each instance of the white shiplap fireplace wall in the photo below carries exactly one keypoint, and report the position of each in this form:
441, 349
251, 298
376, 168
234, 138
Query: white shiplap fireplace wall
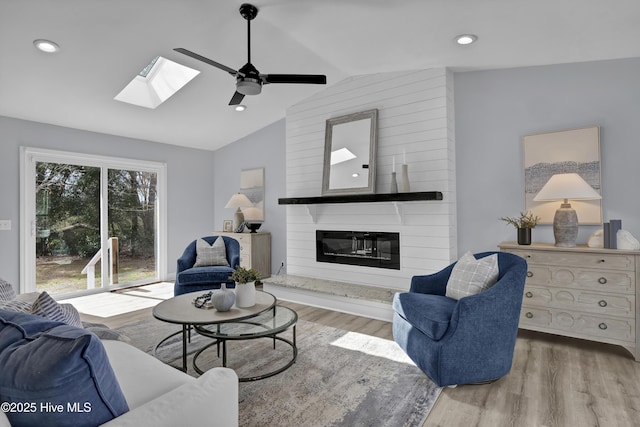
415, 116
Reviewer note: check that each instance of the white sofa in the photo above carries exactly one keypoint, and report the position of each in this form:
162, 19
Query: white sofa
160, 395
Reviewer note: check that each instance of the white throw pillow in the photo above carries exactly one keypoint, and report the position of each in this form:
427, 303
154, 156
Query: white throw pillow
15, 305
7, 293
207, 254
46, 306
471, 276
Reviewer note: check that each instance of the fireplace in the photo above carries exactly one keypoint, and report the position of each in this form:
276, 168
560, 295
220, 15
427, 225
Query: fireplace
365, 248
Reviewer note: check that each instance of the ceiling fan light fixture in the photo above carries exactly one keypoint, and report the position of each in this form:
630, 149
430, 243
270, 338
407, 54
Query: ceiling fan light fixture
46, 45
240, 107
466, 39
248, 86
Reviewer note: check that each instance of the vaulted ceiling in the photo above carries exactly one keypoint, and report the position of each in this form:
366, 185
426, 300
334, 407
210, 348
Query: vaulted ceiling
105, 43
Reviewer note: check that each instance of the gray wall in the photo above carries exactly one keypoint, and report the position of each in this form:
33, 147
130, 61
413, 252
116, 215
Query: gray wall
189, 177
262, 149
494, 109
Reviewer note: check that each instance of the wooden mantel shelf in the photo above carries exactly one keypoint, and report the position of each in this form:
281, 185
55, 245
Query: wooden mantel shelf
363, 198
395, 198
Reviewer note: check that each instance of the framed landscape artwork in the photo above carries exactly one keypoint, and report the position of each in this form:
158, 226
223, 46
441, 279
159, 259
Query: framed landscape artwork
547, 154
252, 186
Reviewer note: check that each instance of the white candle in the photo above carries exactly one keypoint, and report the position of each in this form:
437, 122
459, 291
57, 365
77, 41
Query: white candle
394, 163
404, 157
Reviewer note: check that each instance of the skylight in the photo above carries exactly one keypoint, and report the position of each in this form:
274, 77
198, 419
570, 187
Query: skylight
156, 83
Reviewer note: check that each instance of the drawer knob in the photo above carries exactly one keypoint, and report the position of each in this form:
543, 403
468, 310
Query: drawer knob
602, 260
529, 295
602, 280
602, 326
529, 273
602, 303
529, 315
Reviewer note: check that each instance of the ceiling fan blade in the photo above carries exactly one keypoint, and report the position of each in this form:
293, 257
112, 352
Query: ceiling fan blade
206, 60
295, 78
236, 99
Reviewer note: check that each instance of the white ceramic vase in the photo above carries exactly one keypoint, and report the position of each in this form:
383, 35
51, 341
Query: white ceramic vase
223, 299
245, 294
404, 186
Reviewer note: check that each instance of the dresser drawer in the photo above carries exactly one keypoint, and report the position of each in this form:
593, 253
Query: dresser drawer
598, 261
245, 260
578, 300
244, 240
578, 325
573, 277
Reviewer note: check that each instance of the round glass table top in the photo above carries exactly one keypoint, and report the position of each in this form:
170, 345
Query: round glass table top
267, 323
180, 309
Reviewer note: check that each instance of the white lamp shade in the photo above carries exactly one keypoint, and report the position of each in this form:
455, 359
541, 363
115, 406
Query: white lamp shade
566, 186
253, 214
239, 200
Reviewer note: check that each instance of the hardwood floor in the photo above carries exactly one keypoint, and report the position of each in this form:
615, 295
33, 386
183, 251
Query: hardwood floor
555, 381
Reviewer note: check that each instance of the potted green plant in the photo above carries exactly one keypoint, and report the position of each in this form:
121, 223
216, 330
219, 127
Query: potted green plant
245, 279
524, 223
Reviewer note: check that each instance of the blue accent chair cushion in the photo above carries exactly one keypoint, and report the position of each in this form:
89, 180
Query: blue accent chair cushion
195, 279
46, 364
463, 341
429, 313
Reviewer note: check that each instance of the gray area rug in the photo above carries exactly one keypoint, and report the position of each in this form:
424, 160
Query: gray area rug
340, 378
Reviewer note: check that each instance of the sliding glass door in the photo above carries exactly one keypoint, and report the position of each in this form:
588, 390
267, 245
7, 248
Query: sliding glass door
132, 225
95, 223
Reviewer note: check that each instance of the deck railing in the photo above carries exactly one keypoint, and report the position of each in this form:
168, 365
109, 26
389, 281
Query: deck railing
90, 268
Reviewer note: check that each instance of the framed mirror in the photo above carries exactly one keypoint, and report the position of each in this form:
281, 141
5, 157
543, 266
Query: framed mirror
350, 154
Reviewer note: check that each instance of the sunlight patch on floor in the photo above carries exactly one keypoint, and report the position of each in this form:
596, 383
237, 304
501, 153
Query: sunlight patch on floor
373, 346
108, 304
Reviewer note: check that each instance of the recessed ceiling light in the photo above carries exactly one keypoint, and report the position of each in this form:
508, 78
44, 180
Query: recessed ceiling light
355, 175
46, 45
465, 39
240, 107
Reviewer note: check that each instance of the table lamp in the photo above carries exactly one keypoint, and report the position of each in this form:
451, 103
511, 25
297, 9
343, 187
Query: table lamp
238, 201
565, 186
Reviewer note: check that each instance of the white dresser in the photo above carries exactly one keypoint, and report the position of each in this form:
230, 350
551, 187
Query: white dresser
581, 292
255, 250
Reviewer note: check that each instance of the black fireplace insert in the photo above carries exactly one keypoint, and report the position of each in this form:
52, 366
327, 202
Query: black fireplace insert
365, 248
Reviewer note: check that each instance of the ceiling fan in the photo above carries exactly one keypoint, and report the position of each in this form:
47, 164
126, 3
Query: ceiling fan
249, 81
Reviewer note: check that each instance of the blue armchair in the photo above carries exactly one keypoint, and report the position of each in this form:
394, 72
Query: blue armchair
195, 279
470, 340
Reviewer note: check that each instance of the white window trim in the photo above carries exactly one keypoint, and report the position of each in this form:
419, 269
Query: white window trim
29, 156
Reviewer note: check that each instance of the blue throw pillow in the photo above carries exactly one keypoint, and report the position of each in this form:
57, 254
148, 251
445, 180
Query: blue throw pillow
55, 374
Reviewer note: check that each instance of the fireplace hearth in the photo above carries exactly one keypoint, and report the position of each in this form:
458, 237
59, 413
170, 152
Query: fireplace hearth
364, 248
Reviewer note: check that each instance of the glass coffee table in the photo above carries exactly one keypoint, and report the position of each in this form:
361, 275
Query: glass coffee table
264, 319
267, 324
